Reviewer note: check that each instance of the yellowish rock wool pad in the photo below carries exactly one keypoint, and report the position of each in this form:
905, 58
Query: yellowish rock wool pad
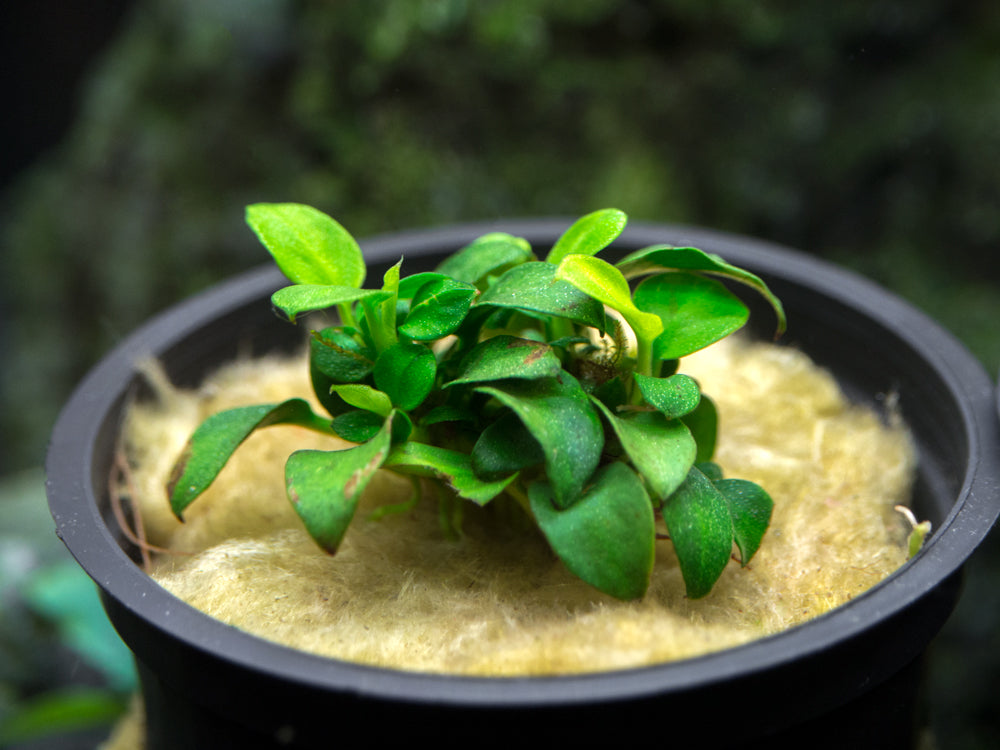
399, 594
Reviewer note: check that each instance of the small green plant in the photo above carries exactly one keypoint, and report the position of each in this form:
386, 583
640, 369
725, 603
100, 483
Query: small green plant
549, 382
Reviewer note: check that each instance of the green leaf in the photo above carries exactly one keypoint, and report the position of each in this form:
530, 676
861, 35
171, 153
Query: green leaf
324, 486
670, 258
505, 447
358, 425
695, 312
506, 356
410, 285
662, 450
364, 397
750, 511
308, 246
703, 423
405, 372
488, 254
589, 234
606, 538
42, 720
438, 309
674, 396
339, 357
447, 413
605, 283
558, 414
303, 298
533, 288
215, 440
697, 518
453, 467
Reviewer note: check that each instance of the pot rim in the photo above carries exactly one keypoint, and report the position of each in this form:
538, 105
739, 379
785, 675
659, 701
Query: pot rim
70, 468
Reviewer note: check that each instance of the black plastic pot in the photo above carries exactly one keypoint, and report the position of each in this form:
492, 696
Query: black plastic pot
846, 679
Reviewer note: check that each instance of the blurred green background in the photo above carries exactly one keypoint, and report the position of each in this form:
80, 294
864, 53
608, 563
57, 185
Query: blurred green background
865, 132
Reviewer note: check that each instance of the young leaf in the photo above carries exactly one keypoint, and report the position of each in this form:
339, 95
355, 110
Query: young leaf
488, 254
507, 357
669, 258
695, 312
750, 510
662, 450
605, 283
589, 234
410, 285
454, 467
438, 309
558, 414
405, 372
304, 298
364, 397
697, 518
505, 447
606, 538
215, 440
324, 486
308, 246
674, 396
533, 288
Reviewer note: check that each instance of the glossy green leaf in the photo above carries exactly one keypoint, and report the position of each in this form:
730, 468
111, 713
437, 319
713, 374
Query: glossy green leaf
215, 440
410, 285
606, 538
589, 234
674, 396
698, 521
506, 356
452, 466
303, 298
558, 414
364, 397
533, 287
360, 426
703, 423
662, 450
308, 246
750, 511
438, 309
324, 486
695, 312
405, 372
668, 258
488, 254
505, 447
447, 413
599, 279
339, 356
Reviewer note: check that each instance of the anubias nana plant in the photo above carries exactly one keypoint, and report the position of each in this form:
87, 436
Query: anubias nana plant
551, 382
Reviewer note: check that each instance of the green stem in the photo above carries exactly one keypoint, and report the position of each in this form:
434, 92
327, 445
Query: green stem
644, 356
347, 315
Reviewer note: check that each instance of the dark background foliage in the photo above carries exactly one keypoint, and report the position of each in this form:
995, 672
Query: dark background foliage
864, 131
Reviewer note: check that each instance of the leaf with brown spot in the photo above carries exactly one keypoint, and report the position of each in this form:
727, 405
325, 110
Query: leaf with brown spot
324, 486
506, 356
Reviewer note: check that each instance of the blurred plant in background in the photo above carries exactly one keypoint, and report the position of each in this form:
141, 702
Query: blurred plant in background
868, 132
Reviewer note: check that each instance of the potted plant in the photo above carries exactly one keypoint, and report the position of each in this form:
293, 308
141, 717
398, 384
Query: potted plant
208, 685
